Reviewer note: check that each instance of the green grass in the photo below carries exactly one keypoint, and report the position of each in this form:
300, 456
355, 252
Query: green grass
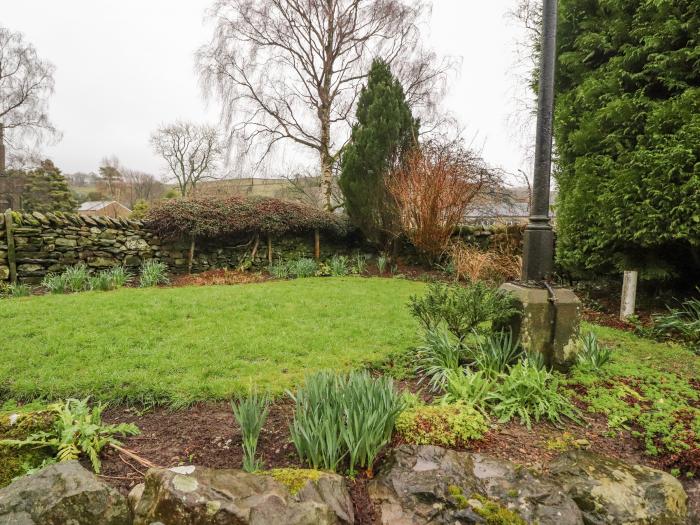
179, 345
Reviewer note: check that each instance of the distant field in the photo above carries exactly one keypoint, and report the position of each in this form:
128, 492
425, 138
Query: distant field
177, 345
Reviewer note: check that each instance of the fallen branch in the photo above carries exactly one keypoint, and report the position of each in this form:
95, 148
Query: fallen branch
134, 456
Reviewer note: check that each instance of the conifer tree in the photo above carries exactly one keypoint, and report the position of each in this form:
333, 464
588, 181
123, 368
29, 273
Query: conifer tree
627, 132
46, 189
385, 129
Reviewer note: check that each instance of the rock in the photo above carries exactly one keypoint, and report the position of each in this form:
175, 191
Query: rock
132, 260
610, 491
63, 493
202, 495
136, 244
101, 262
135, 495
4, 273
428, 484
61, 241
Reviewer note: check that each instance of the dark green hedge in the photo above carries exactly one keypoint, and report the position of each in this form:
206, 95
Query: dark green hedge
207, 218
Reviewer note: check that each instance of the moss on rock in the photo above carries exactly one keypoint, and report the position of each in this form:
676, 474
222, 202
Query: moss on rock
15, 461
294, 478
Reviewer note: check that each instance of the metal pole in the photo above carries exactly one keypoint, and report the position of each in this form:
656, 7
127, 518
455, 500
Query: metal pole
538, 248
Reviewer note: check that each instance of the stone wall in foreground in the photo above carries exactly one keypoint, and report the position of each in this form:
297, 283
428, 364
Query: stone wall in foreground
50, 242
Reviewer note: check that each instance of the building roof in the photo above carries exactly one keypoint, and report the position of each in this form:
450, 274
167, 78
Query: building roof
98, 205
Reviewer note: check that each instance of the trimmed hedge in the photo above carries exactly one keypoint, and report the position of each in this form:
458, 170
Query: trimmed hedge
210, 218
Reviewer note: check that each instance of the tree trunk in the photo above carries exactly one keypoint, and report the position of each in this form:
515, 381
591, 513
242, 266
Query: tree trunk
629, 294
190, 256
324, 111
269, 249
2, 149
317, 245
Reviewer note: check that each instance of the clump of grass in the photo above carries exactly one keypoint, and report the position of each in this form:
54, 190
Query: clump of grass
119, 276
382, 263
19, 290
251, 413
592, 355
279, 270
339, 266
77, 278
682, 324
153, 273
343, 418
303, 267
494, 353
439, 356
359, 263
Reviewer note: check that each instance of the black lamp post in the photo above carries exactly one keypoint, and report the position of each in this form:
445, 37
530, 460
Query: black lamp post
538, 247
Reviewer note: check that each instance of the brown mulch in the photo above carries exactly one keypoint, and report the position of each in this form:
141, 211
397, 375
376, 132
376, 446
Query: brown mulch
206, 434
217, 277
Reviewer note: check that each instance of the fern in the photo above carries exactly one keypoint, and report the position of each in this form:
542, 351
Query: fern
78, 430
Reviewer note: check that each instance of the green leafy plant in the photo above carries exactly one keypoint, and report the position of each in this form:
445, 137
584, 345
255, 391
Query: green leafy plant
531, 393
78, 430
382, 263
535, 359
359, 263
19, 290
591, 354
101, 281
343, 418
682, 324
494, 353
468, 387
153, 273
339, 266
442, 425
55, 283
440, 355
119, 276
303, 267
77, 278
461, 308
279, 270
251, 413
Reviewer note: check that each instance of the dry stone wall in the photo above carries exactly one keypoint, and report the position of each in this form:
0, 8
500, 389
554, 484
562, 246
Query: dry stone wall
50, 242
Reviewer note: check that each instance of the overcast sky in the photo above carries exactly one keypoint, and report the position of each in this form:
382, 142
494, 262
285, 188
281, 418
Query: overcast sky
124, 67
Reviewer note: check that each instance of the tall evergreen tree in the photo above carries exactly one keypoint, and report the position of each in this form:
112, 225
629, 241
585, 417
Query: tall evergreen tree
627, 132
46, 189
385, 128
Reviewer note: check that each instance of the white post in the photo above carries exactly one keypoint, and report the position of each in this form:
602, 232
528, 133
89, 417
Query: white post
629, 294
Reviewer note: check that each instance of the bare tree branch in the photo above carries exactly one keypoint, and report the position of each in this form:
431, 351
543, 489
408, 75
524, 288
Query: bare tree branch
191, 152
291, 70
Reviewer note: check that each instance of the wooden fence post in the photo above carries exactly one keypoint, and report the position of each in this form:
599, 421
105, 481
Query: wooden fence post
11, 258
317, 245
269, 249
629, 294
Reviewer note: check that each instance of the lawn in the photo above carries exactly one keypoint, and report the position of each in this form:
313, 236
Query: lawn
178, 345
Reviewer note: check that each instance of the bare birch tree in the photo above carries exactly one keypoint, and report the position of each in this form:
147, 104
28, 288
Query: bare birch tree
191, 152
26, 81
291, 70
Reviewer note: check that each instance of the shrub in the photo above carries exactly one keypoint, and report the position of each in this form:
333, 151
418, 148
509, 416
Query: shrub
468, 387
210, 218
78, 430
591, 354
529, 392
339, 266
495, 353
681, 323
153, 273
251, 413
472, 264
461, 308
303, 267
439, 355
442, 425
339, 418
279, 270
